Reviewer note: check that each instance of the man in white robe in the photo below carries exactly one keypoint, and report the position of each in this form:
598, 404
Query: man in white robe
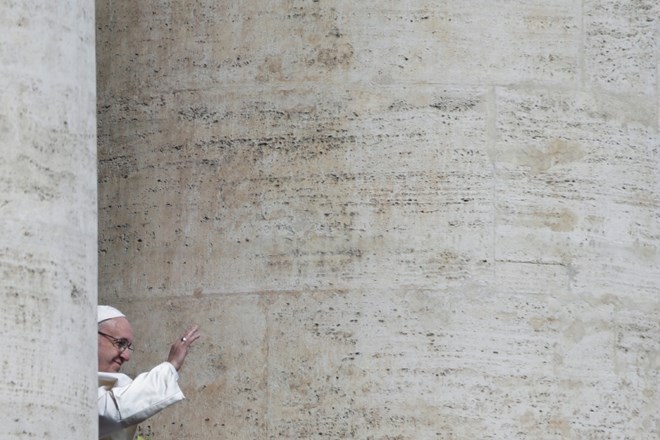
123, 402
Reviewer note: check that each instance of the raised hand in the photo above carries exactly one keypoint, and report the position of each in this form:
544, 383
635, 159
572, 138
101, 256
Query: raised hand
179, 349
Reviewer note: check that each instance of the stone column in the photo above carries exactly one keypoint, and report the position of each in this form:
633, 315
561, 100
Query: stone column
393, 219
48, 220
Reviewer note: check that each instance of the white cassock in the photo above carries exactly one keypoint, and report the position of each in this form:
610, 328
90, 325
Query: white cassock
124, 402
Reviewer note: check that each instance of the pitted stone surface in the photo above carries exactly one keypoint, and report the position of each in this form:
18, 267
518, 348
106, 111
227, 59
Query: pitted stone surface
393, 220
621, 48
304, 231
48, 220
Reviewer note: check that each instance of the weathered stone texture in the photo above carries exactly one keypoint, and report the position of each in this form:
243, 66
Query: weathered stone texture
580, 182
300, 229
393, 220
621, 45
48, 220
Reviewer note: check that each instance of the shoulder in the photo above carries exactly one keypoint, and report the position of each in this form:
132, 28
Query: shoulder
110, 380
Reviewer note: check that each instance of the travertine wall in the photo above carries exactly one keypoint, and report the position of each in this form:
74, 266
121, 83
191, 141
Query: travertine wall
48, 220
393, 220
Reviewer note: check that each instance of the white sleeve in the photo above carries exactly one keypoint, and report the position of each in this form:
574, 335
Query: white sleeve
130, 402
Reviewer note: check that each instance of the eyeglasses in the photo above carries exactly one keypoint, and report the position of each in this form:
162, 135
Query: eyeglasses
121, 344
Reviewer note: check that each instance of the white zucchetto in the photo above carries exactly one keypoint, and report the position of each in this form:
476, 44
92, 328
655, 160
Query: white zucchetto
108, 312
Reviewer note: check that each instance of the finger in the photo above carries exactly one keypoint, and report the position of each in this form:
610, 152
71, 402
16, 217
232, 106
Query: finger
190, 338
190, 335
191, 331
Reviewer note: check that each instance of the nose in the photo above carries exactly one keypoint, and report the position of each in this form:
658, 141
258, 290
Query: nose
125, 355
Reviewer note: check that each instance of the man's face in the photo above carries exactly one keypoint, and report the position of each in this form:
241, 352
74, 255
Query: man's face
111, 357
